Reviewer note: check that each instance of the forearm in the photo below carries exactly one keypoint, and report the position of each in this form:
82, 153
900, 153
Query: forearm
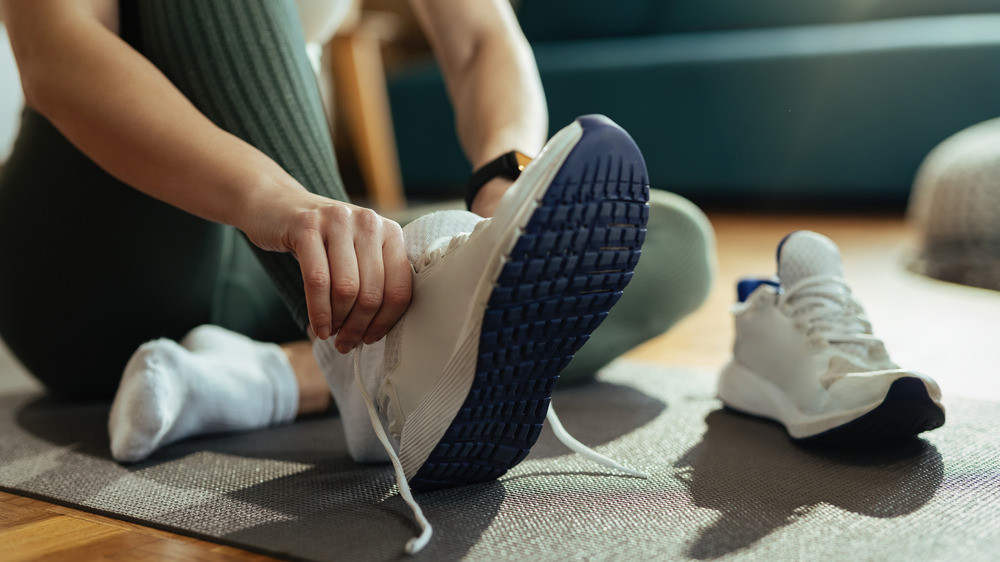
499, 104
490, 74
116, 107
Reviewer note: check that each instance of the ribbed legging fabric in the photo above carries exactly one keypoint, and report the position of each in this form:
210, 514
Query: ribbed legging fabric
243, 64
92, 268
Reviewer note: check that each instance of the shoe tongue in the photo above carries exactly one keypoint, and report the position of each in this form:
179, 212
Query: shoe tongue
805, 254
435, 230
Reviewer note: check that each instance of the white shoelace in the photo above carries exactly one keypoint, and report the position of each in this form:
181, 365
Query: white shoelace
825, 306
572, 444
416, 544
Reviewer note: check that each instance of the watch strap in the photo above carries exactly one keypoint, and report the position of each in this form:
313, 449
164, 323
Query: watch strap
508, 165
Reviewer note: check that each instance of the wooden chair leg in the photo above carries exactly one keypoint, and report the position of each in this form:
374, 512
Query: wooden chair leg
359, 76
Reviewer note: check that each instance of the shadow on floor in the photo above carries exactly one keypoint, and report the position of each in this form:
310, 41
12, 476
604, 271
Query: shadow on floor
759, 480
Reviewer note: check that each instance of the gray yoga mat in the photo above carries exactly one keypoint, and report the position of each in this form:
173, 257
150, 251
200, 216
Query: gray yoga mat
723, 486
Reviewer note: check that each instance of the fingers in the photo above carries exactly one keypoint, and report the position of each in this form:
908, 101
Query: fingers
397, 287
367, 298
356, 276
385, 282
346, 283
323, 244
311, 252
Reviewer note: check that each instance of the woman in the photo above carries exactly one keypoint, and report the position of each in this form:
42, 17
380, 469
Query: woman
158, 129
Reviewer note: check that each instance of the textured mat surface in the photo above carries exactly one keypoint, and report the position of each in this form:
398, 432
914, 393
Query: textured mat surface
722, 486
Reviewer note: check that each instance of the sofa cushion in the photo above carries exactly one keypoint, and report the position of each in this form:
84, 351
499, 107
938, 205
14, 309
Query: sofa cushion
544, 20
838, 113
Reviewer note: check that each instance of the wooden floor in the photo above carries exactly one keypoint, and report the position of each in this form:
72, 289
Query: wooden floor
949, 331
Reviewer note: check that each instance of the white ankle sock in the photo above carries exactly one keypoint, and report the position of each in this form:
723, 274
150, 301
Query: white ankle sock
216, 381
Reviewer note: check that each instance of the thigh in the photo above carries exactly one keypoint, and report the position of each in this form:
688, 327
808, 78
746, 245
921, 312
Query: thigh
245, 300
91, 268
243, 64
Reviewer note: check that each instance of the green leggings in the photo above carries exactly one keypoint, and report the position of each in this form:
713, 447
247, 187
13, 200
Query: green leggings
92, 268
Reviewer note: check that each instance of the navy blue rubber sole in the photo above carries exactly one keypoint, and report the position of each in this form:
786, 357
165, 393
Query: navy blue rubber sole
906, 411
566, 271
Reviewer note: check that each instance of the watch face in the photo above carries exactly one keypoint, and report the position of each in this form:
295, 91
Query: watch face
522, 160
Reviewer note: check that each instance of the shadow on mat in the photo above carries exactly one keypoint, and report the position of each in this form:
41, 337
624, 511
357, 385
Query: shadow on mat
64, 423
312, 500
301, 491
84, 426
358, 515
330, 506
597, 413
759, 480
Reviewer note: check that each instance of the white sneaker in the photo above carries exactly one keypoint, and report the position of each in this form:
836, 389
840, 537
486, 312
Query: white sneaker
462, 382
805, 356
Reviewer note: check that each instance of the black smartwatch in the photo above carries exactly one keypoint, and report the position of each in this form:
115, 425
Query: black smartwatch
507, 165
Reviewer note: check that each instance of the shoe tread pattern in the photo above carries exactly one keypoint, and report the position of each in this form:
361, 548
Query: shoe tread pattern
565, 272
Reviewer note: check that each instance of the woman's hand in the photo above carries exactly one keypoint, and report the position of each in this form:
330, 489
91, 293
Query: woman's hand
357, 278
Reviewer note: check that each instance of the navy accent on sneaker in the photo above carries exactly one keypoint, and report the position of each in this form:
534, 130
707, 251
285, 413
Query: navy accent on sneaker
568, 268
747, 286
906, 411
781, 245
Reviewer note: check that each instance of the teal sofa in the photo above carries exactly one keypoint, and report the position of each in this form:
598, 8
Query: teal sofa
743, 102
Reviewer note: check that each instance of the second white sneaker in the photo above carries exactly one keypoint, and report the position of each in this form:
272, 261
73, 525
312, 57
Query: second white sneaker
805, 356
